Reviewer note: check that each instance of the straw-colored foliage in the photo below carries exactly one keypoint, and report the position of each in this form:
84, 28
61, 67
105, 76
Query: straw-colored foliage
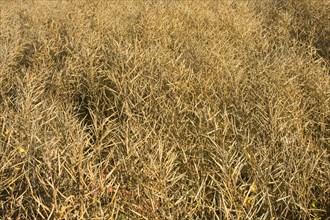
164, 109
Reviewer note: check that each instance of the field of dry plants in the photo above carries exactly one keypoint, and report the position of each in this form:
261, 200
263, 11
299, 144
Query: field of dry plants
165, 109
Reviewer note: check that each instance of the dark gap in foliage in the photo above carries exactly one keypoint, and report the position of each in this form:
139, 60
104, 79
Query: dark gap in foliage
98, 99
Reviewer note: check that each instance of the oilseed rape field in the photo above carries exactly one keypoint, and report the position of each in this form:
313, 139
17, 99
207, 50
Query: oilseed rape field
145, 109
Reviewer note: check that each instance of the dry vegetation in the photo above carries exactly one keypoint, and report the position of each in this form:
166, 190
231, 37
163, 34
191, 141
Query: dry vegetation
164, 109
